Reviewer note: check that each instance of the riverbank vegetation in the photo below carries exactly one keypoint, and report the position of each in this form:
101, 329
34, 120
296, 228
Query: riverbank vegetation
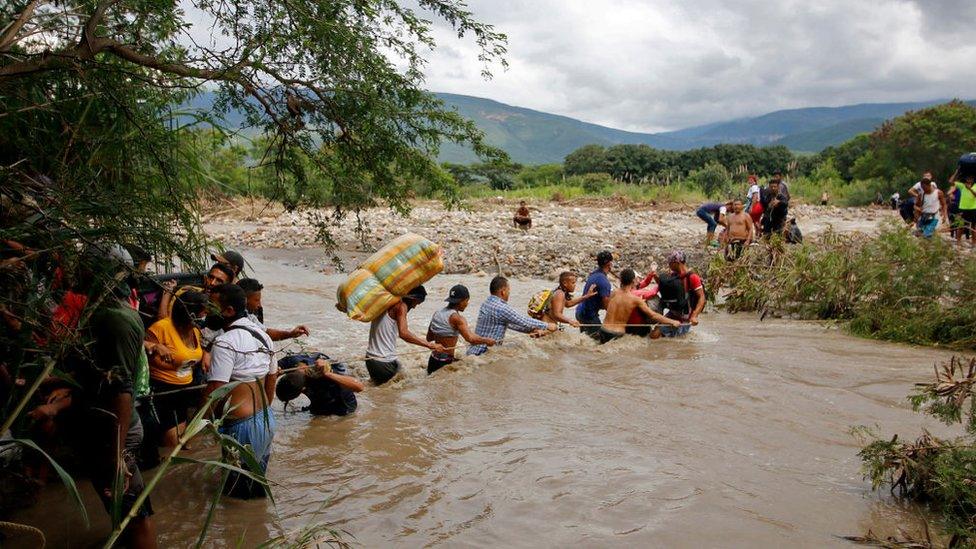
891, 286
866, 169
938, 473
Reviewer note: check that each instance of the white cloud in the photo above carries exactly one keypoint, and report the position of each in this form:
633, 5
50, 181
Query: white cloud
657, 64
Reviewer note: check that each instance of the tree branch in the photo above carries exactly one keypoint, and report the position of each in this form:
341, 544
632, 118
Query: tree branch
9, 35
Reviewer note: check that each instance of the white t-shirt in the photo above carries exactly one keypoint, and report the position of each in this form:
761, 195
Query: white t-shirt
753, 191
917, 187
237, 355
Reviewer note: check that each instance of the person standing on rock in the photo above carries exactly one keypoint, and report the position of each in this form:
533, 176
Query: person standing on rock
740, 232
496, 316
381, 352
588, 312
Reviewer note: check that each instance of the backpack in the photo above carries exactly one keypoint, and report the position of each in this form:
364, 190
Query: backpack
793, 234
675, 296
539, 303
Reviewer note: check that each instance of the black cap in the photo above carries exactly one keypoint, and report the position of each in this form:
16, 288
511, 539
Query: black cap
458, 294
230, 257
604, 257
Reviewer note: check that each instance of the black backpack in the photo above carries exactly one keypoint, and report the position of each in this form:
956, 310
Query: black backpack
672, 290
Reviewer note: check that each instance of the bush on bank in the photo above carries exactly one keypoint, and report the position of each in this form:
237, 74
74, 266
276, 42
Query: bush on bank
893, 286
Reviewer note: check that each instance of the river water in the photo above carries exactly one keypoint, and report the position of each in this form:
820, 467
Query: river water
735, 436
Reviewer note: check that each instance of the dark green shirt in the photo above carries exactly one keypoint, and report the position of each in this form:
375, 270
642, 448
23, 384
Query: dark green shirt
117, 336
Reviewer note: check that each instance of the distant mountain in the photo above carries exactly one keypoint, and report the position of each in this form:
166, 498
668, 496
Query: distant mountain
534, 137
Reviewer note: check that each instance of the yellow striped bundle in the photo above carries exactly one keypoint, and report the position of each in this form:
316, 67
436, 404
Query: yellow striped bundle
388, 275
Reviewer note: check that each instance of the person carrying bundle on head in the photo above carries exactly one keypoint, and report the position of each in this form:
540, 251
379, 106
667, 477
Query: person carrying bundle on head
381, 353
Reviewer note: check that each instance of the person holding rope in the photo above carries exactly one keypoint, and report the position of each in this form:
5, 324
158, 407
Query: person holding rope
244, 353
447, 325
381, 353
588, 312
496, 316
681, 292
622, 304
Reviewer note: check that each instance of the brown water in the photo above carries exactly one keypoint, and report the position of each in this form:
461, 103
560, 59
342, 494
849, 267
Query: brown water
736, 436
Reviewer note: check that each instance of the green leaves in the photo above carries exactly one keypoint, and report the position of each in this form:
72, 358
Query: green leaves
69, 483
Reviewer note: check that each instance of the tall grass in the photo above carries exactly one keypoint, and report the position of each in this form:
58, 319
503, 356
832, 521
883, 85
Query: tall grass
678, 192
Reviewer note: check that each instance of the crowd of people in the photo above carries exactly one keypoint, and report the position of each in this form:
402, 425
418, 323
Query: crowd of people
161, 348
931, 210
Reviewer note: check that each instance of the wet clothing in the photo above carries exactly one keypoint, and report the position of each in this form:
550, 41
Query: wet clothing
383, 336
256, 431
172, 409
495, 317
99, 429
326, 397
588, 312
185, 358
734, 250
382, 371
606, 336
438, 361
675, 331
243, 352
440, 323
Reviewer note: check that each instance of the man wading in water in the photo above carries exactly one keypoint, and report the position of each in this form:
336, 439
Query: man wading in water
496, 316
588, 312
381, 353
621, 306
447, 324
244, 353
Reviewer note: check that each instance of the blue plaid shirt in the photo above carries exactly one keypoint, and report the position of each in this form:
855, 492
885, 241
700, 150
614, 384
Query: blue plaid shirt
496, 316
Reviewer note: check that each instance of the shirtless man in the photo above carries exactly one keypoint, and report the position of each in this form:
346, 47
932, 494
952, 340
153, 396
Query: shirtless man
562, 299
740, 231
622, 304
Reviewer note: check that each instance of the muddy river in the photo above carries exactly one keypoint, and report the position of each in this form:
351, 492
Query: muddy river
735, 436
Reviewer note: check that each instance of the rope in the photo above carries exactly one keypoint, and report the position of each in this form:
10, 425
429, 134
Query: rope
15, 528
364, 358
634, 325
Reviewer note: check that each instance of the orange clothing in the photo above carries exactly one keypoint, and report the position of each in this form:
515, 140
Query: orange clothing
180, 370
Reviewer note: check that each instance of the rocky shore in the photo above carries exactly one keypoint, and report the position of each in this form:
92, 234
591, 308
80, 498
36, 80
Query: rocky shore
480, 238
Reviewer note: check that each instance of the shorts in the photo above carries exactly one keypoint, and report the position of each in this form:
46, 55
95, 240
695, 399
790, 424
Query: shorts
591, 324
675, 331
171, 410
523, 221
734, 250
436, 363
968, 222
606, 336
927, 227
100, 429
257, 432
380, 371
708, 218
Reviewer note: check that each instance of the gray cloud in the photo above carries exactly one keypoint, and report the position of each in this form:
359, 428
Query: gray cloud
657, 64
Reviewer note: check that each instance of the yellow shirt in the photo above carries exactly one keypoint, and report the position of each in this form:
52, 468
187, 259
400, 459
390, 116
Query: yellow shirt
180, 370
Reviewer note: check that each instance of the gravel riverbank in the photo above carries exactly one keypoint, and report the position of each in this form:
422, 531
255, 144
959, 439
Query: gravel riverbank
481, 239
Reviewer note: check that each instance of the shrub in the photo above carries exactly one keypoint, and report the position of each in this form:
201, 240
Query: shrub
595, 183
713, 179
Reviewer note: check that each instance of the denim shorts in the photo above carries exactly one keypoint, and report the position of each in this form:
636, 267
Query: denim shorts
675, 331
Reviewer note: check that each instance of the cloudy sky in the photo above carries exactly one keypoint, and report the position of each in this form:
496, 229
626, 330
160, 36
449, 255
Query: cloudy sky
651, 65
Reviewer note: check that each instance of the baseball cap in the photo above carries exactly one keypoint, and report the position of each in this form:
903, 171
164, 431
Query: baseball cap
230, 257
677, 256
458, 294
604, 257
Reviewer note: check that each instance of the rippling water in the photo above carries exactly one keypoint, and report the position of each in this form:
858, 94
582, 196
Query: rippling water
736, 436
